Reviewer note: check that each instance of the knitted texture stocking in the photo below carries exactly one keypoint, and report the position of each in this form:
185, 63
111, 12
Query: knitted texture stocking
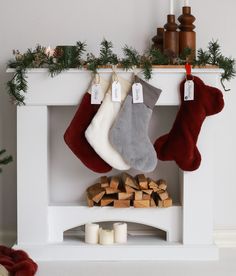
98, 130
129, 134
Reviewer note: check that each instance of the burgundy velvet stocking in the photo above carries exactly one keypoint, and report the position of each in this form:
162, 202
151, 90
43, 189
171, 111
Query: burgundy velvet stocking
17, 262
180, 144
75, 138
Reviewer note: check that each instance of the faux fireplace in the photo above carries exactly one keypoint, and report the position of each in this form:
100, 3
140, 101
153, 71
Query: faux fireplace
42, 219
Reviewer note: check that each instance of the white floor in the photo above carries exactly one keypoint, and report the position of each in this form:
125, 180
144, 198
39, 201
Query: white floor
226, 266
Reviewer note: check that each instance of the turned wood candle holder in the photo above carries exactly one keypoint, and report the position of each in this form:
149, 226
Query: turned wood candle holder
171, 37
187, 37
158, 39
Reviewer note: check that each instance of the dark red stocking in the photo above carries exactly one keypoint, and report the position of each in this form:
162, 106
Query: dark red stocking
180, 144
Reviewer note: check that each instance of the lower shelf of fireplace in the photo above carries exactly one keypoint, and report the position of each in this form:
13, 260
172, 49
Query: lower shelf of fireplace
60, 247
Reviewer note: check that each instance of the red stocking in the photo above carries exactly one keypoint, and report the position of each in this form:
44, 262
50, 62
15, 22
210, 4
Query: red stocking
75, 138
180, 144
17, 262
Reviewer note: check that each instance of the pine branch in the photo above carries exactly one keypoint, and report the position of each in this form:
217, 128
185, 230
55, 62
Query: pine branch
203, 58
56, 68
228, 64
107, 56
81, 49
214, 51
146, 65
131, 59
92, 63
184, 56
157, 57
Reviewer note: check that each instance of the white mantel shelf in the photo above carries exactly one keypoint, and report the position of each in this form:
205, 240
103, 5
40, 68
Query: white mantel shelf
41, 225
68, 87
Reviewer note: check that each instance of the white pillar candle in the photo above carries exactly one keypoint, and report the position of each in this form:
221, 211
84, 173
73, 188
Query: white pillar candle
186, 3
120, 232
106, 237
91, 233
171, 6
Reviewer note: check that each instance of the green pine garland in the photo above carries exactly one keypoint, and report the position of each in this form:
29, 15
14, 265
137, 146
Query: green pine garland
5, 159
72, 57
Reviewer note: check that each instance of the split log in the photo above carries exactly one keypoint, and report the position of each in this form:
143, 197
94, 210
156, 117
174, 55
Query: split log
107, 201
152, 203
95, 192
152, 183
146, 196
125, 195
141, 203
142, 180
110, 191
90, 202
163, 195
162, 184
130, 181
129, 190
138, 195
165, 203
104, 181
122, 203
114, 183
149, 191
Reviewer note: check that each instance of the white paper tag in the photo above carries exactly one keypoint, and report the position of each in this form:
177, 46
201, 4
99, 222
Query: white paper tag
116, 91
96, 94
189, 90
137, 92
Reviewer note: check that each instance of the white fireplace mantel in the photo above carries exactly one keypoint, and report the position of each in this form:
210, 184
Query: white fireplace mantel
189, 226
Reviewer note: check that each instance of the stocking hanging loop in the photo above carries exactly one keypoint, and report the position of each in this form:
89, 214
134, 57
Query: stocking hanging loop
188, 69
135, 71
114, 74
96, 78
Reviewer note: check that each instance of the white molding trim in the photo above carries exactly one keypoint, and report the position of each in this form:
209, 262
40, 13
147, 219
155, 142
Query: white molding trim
225, 237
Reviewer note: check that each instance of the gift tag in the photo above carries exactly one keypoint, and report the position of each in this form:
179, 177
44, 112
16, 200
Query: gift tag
116, 91
189, 90
137, 92
96, 94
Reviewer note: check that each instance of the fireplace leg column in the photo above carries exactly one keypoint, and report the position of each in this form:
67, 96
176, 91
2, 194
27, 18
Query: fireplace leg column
32, 175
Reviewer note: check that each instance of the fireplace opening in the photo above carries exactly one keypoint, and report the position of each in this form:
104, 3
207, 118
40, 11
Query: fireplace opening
69, 178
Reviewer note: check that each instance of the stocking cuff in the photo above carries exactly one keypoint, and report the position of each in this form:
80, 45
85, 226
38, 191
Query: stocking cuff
150, 93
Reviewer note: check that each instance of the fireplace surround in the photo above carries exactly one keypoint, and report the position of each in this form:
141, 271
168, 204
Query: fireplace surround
42, 220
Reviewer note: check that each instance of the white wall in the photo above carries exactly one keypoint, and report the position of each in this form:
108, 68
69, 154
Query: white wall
25, 23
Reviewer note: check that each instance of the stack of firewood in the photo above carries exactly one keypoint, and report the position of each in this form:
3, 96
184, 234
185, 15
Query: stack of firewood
126, 191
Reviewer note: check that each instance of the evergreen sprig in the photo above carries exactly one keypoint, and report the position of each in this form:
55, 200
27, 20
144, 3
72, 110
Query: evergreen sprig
106, 57
131, 58
4, 160
213, 56
73, 58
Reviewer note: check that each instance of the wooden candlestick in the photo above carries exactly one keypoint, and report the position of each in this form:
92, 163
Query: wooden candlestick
171, 37
187, 37
158, 39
